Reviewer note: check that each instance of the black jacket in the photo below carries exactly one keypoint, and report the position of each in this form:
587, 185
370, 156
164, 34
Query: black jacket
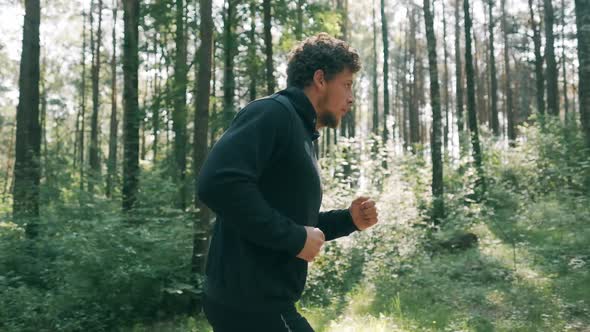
262, 180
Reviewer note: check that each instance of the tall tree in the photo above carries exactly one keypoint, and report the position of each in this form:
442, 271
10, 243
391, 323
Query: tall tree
458, 73
130, 103
179, 113
80, 121
229, 53
375, 87
342, 9
112, 163
445, 79
507, 78
157, 102
494, 81
583, 34
27, 171
93, 149
539, 80
201, 224
252, 51
299, 23
436, 139
563, 61
414, 115
270, 76
385, 37
471, 111
551, 71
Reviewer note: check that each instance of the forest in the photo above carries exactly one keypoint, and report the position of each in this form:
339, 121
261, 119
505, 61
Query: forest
470, 129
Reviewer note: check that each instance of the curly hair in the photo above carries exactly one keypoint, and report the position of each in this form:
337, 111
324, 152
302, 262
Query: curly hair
321, 51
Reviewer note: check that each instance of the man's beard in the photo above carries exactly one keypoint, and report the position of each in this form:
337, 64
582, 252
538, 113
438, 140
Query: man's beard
329, 120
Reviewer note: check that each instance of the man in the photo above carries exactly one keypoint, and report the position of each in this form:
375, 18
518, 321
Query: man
263, 182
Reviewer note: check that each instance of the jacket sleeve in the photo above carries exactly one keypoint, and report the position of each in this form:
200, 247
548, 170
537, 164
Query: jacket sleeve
228, 180
336, 223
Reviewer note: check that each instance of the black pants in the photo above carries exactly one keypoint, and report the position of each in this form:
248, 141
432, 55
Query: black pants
224, 319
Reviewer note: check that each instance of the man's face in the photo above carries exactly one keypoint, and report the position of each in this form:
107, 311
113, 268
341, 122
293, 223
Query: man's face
336, 99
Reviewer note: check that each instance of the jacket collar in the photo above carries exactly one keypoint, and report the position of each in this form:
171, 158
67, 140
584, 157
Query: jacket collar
304, 109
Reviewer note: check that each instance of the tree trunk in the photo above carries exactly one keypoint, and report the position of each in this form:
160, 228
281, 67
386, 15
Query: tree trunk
112, 165
507, 78
299, 24
406, 90
436, 139
539, 80
446, 80
458, 75
130, 104
385, 36
201, 224
551, 71
252, 51
270, 76
341, 8
473, 124
82, 117
93, 149
563, 62
494, 80
27, 171
413, 109
583, 27
229, 52
7, 178
374, 77
157, 103
179, 113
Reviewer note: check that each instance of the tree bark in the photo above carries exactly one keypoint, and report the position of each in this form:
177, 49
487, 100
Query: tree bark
252, 51
539, 80
201, 224
130, 104
375, 87
27, 170
436, 139
551, 71
229, 52
473, 124
414, 115
458, 75
82, 117
563, 62
494, 80
508, 78
385, 36
112, 165
157, 102
270, 76
445, 80
179, 113
93, 149
299, 24
583, 34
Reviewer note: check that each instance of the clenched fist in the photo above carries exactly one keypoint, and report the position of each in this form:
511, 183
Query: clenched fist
313, 243
364, 213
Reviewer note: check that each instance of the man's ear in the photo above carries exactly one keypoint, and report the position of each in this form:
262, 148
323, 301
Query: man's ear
319, 79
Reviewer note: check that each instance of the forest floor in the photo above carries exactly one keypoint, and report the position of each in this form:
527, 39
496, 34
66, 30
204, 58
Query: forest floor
530, 271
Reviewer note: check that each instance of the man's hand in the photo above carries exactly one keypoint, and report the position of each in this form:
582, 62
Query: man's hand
364, 213
313, 243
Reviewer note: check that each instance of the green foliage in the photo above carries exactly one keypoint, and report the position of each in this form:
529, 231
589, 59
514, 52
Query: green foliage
93, 270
